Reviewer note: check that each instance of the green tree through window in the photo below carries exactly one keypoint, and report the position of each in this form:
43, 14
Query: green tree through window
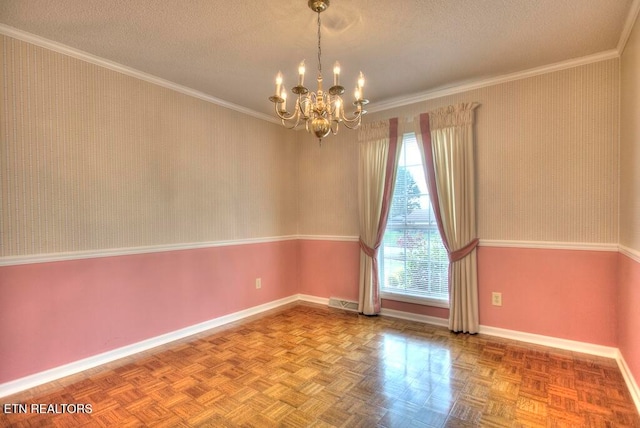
406, 194
413, 260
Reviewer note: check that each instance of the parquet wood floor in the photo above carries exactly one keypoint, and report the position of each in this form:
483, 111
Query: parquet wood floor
312, 366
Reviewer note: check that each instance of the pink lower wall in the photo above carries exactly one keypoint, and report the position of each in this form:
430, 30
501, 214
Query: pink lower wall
629, 312
329, 268
568, 294
60, 312
56, 313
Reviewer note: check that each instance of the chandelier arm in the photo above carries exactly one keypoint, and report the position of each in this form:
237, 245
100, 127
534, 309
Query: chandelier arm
283, 114
287, 124
287, 119
348, 126
353, 122
356, 117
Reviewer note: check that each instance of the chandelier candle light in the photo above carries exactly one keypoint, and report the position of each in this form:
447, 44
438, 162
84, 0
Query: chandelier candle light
320, 111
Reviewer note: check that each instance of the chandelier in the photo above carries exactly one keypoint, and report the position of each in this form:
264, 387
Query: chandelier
320, 111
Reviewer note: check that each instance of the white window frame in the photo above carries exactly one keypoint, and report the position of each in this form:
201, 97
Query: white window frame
408, 297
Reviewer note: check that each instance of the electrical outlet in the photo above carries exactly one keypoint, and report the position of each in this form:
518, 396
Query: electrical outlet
258, 283
496, 299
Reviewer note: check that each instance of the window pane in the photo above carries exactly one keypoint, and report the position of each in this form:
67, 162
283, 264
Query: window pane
413, 258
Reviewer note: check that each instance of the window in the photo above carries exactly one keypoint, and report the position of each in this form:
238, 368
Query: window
413, 261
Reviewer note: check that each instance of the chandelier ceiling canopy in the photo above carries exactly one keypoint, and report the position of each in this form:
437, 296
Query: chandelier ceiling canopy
321, 111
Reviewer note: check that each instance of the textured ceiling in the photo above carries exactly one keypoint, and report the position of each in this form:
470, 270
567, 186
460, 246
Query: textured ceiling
231, 50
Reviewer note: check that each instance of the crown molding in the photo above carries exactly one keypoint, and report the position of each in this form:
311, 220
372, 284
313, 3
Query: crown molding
114, 66
379, 106
478, 84
628, 26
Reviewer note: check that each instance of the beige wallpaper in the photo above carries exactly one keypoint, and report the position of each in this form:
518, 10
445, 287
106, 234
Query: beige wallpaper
547, 160
328, 178
93, 159
630, 143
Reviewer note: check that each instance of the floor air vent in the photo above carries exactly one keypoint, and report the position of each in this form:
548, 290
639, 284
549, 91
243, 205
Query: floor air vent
347, 305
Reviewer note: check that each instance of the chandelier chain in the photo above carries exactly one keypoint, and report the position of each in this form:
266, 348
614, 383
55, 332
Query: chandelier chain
319, 49
322, 111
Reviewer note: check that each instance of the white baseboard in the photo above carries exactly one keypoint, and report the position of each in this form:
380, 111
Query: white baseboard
56, 373
634, 390
426, 319
552, 342
313, 299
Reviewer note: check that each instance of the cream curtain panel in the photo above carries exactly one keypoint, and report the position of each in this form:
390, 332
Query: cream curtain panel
378, 153
446, 138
